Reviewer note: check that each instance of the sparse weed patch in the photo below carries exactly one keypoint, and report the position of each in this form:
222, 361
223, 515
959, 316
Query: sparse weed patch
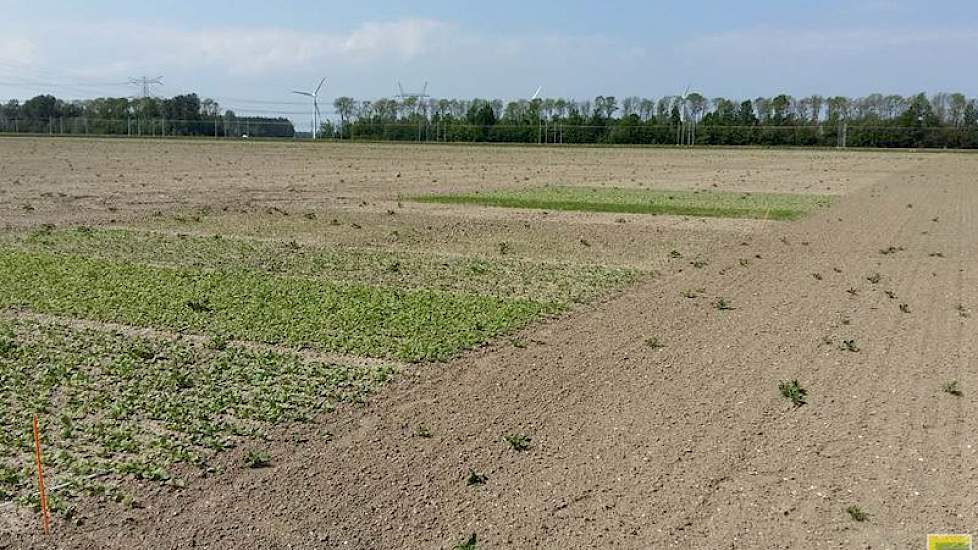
792, 390
469, 544
952, 388
476, 478
850, 345
857, 514
255, 458
875, 278
723, 304
518, 441
654, 343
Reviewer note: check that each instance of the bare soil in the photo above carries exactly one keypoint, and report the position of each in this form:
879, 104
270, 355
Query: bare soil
688, 446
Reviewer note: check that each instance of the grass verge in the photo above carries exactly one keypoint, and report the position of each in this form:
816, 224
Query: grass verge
775, 206
410, 325
133, 407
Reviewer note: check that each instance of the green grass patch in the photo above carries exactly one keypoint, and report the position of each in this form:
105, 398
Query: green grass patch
132, 407
410, 325
723, 204
564, 283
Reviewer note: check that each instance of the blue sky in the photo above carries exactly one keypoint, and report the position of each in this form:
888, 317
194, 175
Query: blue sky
243, 52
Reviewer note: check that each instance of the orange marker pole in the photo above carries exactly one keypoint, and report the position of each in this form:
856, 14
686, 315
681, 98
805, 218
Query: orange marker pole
40, 478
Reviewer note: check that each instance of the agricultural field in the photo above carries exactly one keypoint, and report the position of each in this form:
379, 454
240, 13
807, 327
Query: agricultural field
243, 344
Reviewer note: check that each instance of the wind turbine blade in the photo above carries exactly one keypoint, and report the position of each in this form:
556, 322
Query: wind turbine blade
302, 93
400, 88
536, 94
321, 82
425, 89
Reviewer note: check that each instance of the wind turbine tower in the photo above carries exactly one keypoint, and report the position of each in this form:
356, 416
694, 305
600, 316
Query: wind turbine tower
316, 118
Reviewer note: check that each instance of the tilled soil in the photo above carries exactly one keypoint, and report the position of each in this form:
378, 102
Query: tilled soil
689, 445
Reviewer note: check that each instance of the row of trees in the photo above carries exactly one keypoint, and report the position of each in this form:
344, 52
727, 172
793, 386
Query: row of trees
942, 120
182, 115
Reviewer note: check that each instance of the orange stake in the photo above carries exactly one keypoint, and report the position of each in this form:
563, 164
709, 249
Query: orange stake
40, 478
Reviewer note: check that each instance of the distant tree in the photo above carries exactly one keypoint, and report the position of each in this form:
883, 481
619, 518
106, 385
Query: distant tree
345, 107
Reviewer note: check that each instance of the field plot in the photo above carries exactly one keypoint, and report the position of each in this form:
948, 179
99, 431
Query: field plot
422, 343
717, 204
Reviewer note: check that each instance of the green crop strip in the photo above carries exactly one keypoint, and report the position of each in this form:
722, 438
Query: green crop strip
775, 206
503, 278
410, 325
128, 406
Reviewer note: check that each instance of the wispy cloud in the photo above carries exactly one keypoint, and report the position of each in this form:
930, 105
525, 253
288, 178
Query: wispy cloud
773, 43
17, 50
256, 51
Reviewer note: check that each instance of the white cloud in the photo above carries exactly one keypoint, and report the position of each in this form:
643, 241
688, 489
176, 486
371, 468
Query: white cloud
16, 50
253, 51
778, 42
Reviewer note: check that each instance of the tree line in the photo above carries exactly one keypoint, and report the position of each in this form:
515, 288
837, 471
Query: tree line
877, 120
942, 120
181, 115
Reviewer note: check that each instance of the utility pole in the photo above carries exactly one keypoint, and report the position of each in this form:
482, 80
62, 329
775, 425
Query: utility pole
146, 84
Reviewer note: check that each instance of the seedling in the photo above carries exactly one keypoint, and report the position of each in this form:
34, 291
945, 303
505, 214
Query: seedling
845, 321
585, 242
850, 345
890, 294
257, 459
857, 514
936, 254
905, 308
7, 344
793, 391
518, 441
393, 267
199, 306
654, 343
722, 304
517, 342
744, 262
675, 254
469, 544
875, 278
217, 343
890, 250
852, 291
504, 247
699, 263
423, 431
952, 388
690, 293
817, 276
963, 311
476, 479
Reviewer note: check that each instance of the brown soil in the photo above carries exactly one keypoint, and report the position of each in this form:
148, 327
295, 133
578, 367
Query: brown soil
689, 445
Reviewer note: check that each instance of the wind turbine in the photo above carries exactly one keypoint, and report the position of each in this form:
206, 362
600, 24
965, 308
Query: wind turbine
315, 105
